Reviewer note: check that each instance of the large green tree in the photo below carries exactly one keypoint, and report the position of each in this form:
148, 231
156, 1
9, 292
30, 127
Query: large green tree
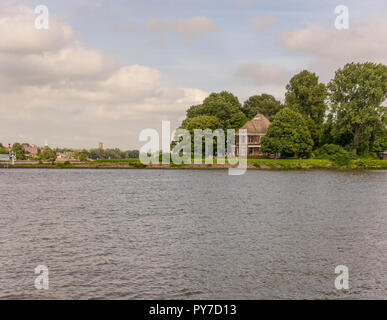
19, 151
288, 134
201, 122
306, 95
224, 106
356, 95
265, 104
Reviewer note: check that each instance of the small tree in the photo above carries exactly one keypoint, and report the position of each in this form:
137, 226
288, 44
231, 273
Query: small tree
48, 154
288, 134
19, 151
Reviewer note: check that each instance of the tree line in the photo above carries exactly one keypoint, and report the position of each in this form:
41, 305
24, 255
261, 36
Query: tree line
345, 114
49, 154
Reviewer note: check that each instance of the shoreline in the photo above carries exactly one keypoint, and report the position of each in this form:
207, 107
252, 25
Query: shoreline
253, 164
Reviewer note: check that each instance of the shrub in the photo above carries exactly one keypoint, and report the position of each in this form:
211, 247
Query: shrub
138, 165
335, 153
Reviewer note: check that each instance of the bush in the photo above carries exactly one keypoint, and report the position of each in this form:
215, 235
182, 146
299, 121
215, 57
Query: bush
371, 163
335, 153
341, 159
138, 165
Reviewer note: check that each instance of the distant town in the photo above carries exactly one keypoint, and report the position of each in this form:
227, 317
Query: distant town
26, 151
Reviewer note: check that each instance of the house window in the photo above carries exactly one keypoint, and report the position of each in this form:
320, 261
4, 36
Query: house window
251, 151
251, 139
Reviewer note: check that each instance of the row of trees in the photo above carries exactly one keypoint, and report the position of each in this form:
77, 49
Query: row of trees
2, 149
96, 154
49, 154
347, 112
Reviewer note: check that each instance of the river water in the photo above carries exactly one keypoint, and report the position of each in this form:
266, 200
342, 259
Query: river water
192, 234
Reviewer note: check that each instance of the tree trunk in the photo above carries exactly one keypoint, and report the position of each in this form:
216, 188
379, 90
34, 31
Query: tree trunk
356, 139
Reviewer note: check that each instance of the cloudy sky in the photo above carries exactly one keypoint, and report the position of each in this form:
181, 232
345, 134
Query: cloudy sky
105, 70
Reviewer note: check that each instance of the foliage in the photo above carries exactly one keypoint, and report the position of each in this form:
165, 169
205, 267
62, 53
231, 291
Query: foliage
201, 122
356, 94
327, 150
19, 150
371, 163
307, 96
110, 154
2, 149
138, 165
315, 132
265, 104
335, 153
224, 106
48, 154
288, 134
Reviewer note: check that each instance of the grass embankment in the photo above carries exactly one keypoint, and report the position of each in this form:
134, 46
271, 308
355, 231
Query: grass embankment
262, 164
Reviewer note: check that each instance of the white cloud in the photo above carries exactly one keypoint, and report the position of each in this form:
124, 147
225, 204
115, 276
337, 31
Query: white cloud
331, 48
18, 33
191, 27
265, 75
56, 88
258, 24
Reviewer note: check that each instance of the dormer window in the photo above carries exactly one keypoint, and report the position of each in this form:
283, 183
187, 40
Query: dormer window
257, 117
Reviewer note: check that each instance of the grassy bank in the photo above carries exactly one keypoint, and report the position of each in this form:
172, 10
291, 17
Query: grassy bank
257, 164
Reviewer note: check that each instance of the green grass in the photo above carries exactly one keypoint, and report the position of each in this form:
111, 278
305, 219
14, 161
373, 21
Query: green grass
115, 161
259, 163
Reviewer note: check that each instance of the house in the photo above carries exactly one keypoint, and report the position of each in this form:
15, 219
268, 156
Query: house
65, 156
30, 151
256, 129
383, 155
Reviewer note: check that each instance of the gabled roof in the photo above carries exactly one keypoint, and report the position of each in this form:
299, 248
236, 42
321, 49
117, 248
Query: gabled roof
258, 125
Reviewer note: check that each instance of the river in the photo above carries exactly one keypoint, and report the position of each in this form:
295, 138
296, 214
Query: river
192, 234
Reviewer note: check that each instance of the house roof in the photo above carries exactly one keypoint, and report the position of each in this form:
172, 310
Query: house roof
258, 125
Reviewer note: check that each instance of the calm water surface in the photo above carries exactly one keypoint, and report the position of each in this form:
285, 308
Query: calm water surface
153, 234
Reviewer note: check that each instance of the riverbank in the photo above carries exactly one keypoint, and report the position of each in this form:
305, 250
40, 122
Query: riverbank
252, 164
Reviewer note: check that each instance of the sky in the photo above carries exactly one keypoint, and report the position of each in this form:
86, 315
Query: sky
106, 70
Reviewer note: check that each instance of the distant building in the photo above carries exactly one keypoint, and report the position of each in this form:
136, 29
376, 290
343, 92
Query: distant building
65, 156
30, 151
383, 155
100, 145
256, 129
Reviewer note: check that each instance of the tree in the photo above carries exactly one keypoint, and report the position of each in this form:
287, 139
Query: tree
201, 122
315, 132
19, 151
288, 134
265, 104
356, 94
2, 149
48, 154
307, 96
224, 106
